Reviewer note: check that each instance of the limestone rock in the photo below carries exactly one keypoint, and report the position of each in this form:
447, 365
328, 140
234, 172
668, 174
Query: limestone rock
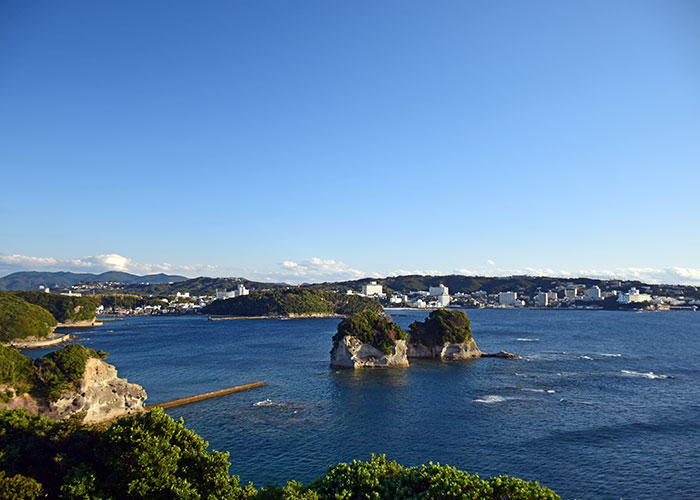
465, 350
351, 353
100, 394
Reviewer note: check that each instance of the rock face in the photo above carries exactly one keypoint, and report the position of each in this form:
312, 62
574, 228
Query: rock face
466, 350
351, 353
100, 394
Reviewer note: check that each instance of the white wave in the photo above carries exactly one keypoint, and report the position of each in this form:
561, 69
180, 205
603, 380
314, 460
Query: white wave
491, 399
547, 391
527, 340
264, 402
608, 355
587, 358
649, 375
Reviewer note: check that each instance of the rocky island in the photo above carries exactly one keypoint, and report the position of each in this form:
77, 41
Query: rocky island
367, 340
72, 380
445, 334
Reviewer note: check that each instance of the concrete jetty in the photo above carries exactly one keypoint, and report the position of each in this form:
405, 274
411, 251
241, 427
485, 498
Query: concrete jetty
206, 395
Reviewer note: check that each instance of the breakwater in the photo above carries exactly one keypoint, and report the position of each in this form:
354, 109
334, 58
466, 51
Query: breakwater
206, 395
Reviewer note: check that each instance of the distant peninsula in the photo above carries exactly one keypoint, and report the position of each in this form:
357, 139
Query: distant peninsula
292, 303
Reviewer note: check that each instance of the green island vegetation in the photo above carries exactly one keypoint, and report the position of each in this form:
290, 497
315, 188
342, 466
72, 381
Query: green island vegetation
292, 301
63, 307
370, 328
440, 327
19, 319
44, 377
151, 456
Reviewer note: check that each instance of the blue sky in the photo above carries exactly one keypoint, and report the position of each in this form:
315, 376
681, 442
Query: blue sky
315, 140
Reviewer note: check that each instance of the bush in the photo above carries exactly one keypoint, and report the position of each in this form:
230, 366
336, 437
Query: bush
19, 319
151, 456
370, 328
441, 326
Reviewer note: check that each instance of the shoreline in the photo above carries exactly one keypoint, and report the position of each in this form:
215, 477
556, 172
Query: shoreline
51, 340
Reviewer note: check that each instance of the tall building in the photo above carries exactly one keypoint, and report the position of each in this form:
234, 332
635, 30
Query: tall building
372, 289
507, 298
542, 299
442, 293
594, 293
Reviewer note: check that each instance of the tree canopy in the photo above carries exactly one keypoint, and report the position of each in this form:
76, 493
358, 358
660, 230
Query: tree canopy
370, 328
292, 301
441, 326
64, 308
19, 319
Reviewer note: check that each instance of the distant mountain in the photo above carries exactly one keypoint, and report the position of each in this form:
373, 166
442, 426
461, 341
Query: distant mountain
31, 280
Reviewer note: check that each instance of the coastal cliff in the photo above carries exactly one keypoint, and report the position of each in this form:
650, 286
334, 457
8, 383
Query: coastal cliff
95, 390
349, 352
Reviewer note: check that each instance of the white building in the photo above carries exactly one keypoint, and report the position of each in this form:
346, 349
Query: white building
184, 295
570, 292
442, 293
507, 298
372, 289
542, 299
633, 296
552, 297
593, 293
240, 290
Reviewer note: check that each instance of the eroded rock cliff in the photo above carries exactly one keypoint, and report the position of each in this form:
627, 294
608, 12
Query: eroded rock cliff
349, 352
100, 394
464, 350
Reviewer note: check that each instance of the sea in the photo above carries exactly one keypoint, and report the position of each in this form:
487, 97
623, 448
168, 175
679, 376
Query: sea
600, 405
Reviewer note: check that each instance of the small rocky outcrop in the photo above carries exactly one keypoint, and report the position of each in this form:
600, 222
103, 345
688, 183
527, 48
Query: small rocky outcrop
100, 394
500, 354
448, 350
368, 340
349, 352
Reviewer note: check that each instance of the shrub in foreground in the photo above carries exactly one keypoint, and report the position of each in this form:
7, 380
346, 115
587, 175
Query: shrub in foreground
151, 456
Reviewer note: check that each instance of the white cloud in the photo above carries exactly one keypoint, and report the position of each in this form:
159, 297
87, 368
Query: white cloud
316, 270
94, 264
490, 262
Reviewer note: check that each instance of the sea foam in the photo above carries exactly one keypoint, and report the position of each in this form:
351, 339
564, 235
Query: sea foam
649, 375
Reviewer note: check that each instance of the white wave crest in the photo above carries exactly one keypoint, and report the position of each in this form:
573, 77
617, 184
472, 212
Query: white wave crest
587, 358
547, 391
649, 375
264, 402
527, 340
608, 355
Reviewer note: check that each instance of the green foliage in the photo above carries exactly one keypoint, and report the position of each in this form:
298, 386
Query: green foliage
46, 376
17, 371
379, 479
150, 456
370, 328
441, 326
19, 487
63, 307
19, 319
292, 301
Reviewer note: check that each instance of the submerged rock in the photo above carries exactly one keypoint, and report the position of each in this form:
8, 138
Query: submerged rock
349, 352
500, 354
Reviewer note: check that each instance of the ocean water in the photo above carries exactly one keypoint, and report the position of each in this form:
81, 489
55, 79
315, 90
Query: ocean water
602, 405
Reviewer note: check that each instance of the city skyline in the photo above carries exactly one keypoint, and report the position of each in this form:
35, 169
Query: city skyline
320, 142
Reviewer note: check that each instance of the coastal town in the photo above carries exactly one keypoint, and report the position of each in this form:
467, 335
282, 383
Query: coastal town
559, 295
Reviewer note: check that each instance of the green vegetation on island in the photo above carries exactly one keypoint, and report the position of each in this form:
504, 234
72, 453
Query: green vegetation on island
292, 302
46, 376
64, 308
370, 328
19, 319
150, 456
440, 327
125, 301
